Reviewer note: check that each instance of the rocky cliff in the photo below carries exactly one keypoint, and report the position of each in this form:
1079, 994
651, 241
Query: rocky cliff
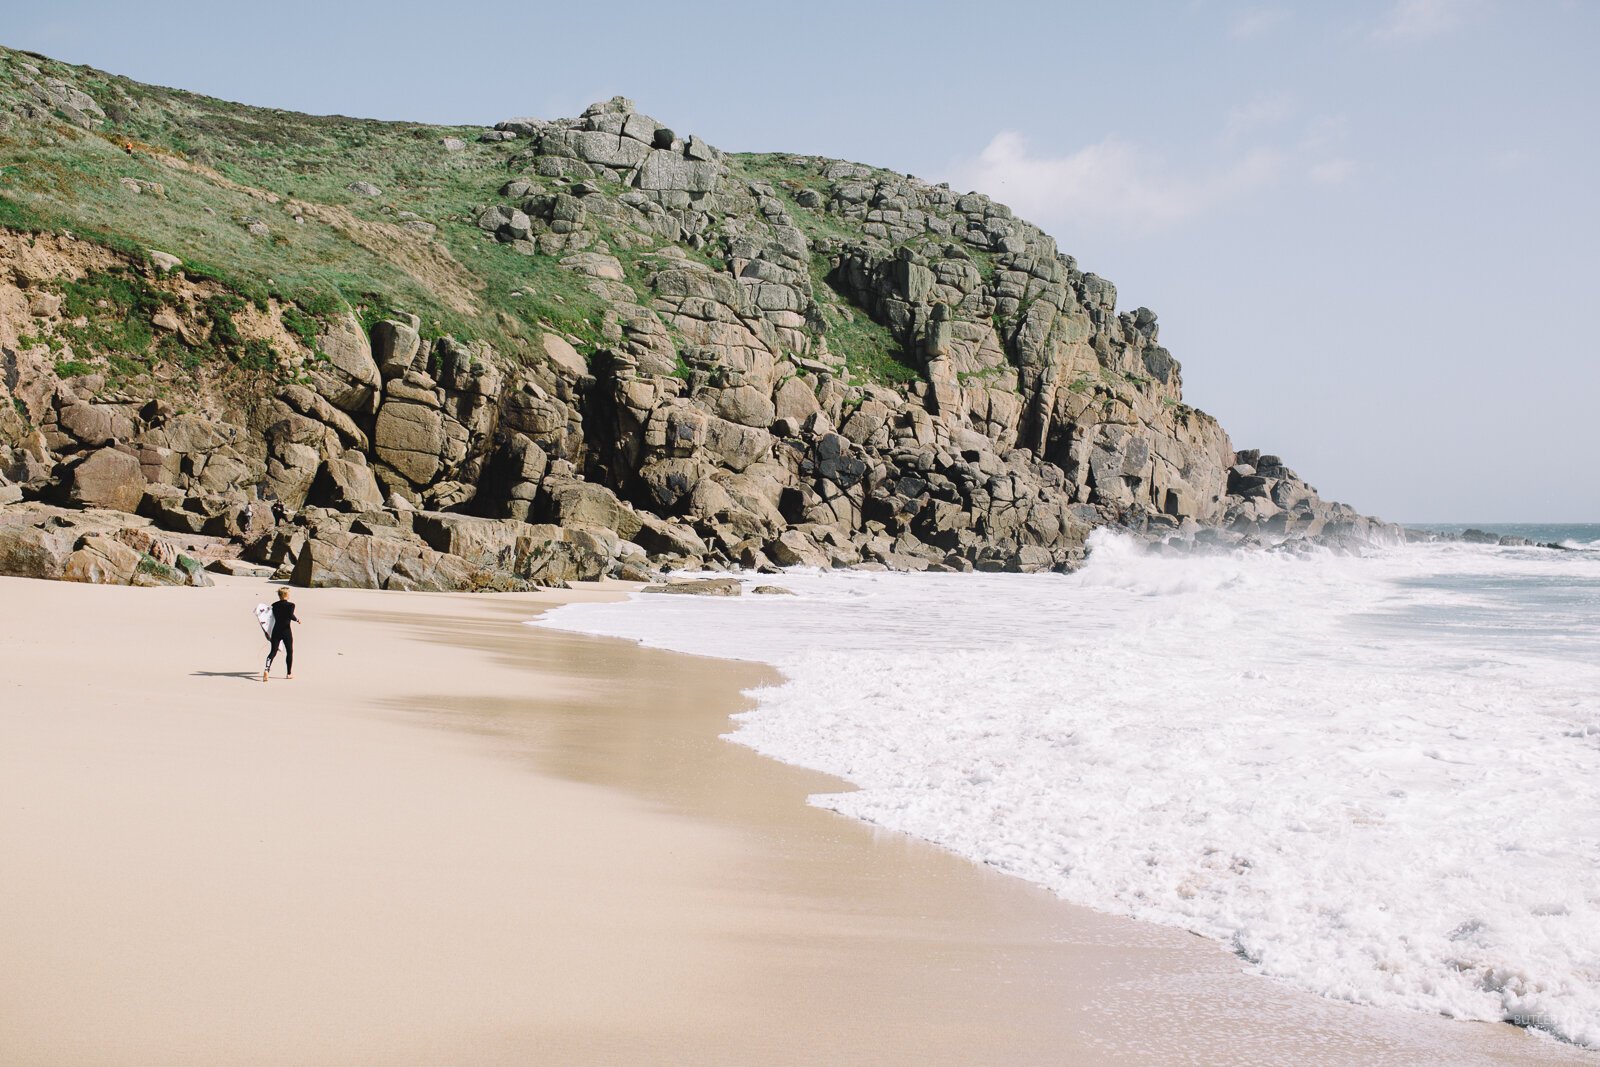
467, 357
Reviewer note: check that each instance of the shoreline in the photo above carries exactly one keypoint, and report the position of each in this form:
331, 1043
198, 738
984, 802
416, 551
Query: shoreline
488, 842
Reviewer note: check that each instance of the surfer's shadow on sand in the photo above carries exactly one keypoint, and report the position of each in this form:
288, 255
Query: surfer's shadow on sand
249, 676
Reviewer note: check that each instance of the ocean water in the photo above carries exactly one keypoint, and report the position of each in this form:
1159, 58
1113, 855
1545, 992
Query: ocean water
1376, 778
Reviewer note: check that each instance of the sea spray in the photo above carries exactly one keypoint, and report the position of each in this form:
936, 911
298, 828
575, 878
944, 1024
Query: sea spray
1378, 778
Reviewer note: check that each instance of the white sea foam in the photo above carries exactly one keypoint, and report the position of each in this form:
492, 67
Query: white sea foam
1377, 778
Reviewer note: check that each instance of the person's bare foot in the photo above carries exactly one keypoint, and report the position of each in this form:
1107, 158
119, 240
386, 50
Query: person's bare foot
263, 676
289, 677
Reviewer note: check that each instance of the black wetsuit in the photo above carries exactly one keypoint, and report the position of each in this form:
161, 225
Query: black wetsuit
282, 616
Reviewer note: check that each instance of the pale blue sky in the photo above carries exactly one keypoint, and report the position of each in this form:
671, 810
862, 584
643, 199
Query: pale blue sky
1369, 228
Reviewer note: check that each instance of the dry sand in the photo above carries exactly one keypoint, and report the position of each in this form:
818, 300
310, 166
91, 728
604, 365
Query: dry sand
456, 839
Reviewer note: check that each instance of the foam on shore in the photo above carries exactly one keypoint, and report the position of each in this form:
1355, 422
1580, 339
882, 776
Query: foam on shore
1376, 778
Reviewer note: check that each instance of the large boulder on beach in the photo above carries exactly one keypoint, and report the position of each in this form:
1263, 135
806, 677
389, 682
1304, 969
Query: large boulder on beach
663, 538
109, 478
32, 552
346, 485
485, 542
544, 561
340, 560
698, 587
101, 560
793, 548
569, 502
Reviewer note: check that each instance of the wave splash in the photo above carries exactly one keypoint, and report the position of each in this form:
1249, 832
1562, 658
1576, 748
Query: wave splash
1376, 778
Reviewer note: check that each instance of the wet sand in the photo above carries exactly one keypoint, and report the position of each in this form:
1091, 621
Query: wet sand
456, 839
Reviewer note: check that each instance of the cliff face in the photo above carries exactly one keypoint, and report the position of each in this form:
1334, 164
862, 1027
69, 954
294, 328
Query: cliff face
587, 328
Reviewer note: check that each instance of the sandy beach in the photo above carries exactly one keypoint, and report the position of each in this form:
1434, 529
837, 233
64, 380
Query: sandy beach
453, 838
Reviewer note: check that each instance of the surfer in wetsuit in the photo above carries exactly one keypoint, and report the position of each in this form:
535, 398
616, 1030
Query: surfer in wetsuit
282, 615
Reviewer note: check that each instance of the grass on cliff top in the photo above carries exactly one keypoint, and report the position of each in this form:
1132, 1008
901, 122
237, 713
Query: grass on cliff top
55, 176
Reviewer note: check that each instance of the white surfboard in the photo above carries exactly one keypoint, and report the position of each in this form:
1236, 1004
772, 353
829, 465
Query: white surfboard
264, 617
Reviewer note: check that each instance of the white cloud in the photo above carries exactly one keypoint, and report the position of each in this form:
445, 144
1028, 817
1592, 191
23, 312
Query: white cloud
1416, 20
1112, 183
1118, 184
1266, 110
1331, 171
1256, 22
1323, 132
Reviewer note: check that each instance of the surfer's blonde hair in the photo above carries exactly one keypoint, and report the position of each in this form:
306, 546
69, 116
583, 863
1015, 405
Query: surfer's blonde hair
283, 594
